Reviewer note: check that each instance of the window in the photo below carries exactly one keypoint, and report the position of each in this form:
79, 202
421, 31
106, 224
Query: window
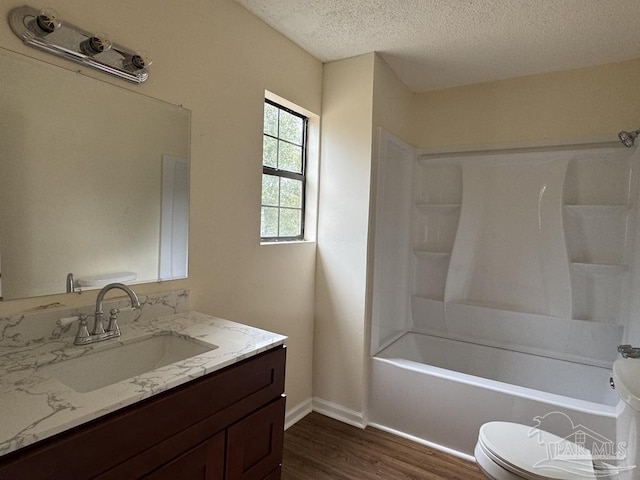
283, 173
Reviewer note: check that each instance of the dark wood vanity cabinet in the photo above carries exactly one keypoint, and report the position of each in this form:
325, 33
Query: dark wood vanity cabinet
228, 425
204, 462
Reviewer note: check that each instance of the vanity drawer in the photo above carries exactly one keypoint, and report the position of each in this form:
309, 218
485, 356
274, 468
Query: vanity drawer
204, 462
128, 437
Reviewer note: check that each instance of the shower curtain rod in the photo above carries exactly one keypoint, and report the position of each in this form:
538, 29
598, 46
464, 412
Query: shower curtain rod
425, 154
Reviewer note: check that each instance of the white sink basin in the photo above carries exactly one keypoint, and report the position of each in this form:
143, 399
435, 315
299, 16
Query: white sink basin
105, 367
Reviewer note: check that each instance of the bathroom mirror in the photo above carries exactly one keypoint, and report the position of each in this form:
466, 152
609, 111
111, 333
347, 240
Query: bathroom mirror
93, 181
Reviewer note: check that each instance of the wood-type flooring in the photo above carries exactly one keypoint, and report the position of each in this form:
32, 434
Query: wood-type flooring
320, 448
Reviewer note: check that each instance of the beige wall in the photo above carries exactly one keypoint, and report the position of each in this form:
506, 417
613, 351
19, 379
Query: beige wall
216, 59
572, 105
360, 94
345, 168
393, 102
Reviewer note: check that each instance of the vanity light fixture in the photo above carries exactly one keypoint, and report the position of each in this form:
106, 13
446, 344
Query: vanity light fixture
43, 29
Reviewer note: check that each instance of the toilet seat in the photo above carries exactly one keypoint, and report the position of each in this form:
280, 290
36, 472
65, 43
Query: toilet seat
507, 451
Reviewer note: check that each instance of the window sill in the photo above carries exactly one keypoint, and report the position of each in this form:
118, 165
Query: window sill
288, 242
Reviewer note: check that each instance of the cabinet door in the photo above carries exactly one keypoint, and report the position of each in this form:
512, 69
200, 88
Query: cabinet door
254, 444
204, 462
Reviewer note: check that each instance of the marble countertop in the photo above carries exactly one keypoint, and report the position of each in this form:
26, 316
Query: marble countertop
34, 406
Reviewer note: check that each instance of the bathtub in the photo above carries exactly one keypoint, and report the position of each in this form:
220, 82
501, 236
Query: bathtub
440, 391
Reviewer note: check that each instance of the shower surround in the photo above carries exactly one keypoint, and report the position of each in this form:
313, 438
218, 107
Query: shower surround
528, 252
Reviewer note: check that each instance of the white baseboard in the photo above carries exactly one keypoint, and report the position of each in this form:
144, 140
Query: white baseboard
324, 407
297, 413
421, 441
338, 412
356, 419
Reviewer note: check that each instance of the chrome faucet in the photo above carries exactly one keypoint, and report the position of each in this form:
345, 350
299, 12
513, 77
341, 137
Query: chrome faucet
98, 334
628, 351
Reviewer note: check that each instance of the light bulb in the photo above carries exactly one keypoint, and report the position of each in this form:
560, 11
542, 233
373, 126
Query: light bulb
47, 21
96, 44
137, 61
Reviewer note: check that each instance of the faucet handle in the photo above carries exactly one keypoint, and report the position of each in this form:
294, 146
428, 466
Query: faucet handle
629, 351
83, 331
113, 322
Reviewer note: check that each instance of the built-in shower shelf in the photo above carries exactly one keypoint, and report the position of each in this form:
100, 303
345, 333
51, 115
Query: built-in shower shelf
433, 298
599, 268
425, 253
430, 160
493, 306
597, 210
441, 208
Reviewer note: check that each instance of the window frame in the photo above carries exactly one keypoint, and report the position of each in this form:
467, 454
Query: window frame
266, 170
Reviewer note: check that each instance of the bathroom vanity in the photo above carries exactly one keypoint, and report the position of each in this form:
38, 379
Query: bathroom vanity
217, 415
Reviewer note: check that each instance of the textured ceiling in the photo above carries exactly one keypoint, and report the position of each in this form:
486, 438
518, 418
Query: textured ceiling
433, 44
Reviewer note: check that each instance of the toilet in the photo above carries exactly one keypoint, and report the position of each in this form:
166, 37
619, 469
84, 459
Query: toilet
510, 451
